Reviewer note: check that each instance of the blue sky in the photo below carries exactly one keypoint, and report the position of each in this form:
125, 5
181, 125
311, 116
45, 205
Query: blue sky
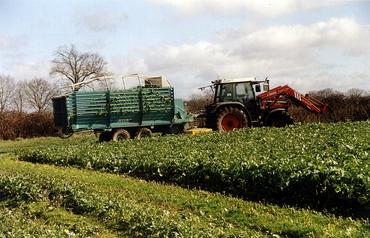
309, 45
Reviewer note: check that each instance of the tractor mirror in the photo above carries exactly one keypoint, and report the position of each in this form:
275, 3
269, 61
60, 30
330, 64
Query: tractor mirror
258, 88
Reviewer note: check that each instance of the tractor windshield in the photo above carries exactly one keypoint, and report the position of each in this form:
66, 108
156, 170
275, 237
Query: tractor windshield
244, 92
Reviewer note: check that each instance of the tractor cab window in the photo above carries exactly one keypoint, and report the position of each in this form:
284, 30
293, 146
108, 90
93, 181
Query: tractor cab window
226, 92
244, 92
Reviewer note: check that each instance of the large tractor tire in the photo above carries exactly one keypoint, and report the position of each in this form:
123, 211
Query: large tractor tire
231, 118
143, 132
121, 135
280, 120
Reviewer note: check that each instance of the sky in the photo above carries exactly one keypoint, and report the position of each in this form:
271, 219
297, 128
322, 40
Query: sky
309, 45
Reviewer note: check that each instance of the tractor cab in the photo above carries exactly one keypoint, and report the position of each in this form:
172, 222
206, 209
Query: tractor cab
237, 94
242, 90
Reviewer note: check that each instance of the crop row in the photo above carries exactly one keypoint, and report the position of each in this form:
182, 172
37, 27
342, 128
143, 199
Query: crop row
324, 166
135, 208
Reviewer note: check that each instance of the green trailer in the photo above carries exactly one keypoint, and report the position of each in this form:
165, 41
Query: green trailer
121, 114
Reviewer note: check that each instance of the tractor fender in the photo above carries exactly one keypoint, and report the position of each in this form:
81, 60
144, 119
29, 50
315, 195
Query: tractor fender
232, 104
274, 113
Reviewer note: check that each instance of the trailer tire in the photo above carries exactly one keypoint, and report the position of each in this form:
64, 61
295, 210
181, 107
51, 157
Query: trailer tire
231, 118
121, 135
143, 132
105, 136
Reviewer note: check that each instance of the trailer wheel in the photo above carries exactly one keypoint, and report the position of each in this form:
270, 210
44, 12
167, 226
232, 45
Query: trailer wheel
231, 118
105, 136
143, 132
121, 135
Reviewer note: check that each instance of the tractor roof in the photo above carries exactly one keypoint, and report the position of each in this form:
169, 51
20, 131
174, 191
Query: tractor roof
236, 80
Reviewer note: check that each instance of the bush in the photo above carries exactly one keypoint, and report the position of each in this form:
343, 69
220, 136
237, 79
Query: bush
25, 125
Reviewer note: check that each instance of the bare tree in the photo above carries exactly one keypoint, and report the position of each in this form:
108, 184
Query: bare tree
355, 92
77, 67
19, 96
6, 91
38, 94
199, 101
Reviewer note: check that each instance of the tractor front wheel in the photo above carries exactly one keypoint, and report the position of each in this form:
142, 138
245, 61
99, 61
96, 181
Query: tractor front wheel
231, 118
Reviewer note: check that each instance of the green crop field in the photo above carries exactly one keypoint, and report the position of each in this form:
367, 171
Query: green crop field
302, 181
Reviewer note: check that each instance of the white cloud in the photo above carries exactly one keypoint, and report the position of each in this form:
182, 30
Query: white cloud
29, 70
8, 42
323, 54
103, 20
343, 33
269, 8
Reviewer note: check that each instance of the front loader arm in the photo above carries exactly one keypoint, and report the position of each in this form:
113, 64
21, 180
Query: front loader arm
276, 98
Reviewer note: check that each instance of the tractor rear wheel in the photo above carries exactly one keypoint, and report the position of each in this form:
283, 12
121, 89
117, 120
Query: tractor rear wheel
143, 132
231, 118
121, 135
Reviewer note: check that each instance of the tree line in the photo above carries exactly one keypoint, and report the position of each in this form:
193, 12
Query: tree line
352, 105
25, 104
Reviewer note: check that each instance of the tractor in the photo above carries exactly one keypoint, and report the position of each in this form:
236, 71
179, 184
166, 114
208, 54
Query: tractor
247, 102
